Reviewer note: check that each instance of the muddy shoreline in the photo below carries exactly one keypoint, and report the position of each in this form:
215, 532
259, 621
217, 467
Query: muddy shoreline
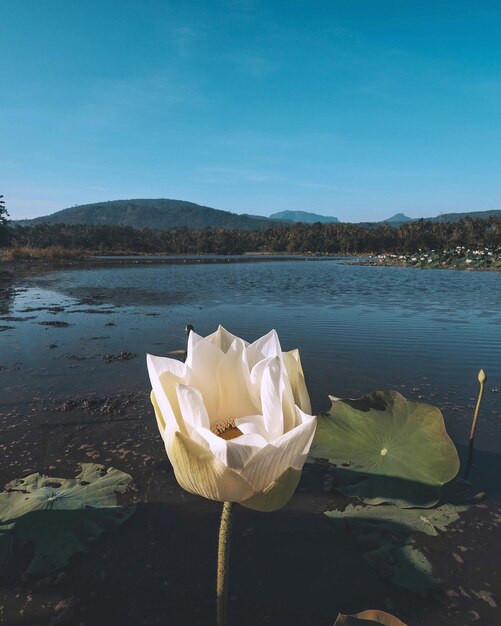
290, 567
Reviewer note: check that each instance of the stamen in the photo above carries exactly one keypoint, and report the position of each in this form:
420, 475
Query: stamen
226, 429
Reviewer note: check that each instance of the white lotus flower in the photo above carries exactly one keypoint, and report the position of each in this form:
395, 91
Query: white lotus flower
235, 418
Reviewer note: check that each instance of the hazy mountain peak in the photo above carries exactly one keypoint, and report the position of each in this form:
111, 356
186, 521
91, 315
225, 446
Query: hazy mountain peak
303, 216
399, 217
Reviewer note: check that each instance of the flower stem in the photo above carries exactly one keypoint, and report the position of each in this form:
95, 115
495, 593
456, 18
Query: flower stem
223, 559
481, 379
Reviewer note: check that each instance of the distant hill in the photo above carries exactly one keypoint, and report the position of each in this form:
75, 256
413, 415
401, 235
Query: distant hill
303, 216
155, 214
455, 217
164, 214
397, 219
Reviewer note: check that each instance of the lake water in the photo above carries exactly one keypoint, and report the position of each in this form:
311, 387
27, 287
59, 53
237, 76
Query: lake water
425, 333
65, 400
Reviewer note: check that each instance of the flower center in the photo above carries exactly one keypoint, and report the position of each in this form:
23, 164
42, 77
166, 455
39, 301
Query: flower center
384, 452
226, 429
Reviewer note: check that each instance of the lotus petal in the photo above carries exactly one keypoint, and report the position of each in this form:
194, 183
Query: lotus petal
275, 495
229, 419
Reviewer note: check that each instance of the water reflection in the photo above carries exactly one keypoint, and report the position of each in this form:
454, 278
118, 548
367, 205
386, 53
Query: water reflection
7, 292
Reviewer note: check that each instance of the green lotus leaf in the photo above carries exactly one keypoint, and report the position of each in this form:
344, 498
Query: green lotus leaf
401, 521
60, 516
365, 618
5, 546
399, 448
406, 566
387, 532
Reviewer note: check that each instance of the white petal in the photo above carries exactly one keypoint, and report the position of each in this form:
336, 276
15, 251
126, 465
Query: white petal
164, 374
271, 401
199, 471
192, 406
164, 364
256, 378
277, 494
203, 361
223, 339
295, 372
288, 405
234, 453
216, 444
289, 450
252, 424
200, 347
158, 415
241, 449
285, 387
265, 347
234, 384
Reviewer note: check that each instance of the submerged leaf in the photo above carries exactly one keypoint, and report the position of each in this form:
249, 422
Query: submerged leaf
388, 533
402, 521
5, 546
60, 515
399, 448
405, 566
365, 618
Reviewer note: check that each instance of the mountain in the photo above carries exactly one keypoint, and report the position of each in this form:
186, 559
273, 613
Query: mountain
303, 216
455, 217
165, 214
155, 214
397, 219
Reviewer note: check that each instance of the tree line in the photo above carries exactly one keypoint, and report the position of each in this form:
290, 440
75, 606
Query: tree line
296, 238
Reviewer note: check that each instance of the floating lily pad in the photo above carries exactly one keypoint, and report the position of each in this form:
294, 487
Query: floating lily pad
427, 521
60, 516
388, 533
365, 618
399, 450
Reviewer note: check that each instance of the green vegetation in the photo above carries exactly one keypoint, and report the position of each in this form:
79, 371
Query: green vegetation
3, 222
317, 238
59, 516
455, 258
387, 537
400, 454
52, 253
155, 214
399, 448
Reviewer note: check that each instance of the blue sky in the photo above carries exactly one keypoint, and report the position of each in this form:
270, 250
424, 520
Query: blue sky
352, 108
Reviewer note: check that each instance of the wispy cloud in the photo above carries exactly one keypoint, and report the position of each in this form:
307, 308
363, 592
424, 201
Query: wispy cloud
234, 175
231, 175
113, 102
255, 65
184, 39
97, 188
